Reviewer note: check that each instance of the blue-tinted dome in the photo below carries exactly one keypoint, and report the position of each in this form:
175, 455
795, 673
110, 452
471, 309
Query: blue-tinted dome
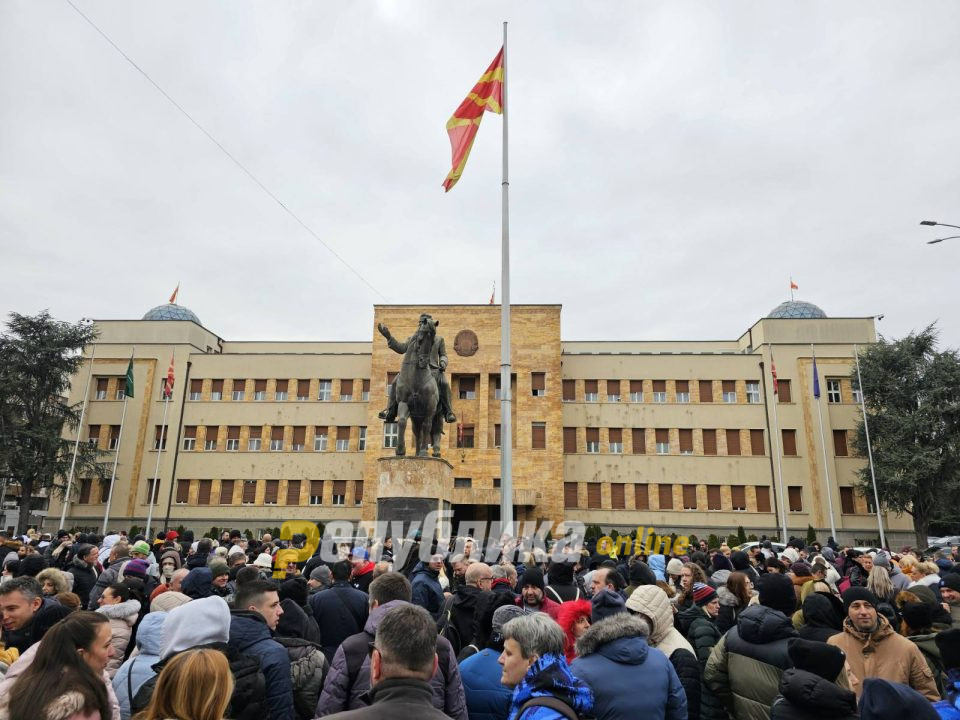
795, 309
171, 312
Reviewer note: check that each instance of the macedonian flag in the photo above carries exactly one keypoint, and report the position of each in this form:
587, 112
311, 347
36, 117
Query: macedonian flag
462, 127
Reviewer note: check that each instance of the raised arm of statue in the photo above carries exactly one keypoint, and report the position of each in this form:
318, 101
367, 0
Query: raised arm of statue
392, 342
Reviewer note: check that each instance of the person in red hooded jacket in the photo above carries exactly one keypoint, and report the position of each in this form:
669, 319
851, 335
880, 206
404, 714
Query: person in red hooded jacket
574, 619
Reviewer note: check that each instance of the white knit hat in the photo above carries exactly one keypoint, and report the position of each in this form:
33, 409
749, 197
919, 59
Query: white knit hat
263, 561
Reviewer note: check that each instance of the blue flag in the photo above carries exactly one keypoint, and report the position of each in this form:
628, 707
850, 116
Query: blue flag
816, 379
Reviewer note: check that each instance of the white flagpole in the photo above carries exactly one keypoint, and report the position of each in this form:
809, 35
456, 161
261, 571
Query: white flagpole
866, 430
76, 444
776, 434
826, 469
116, 458
506, 435
156, 471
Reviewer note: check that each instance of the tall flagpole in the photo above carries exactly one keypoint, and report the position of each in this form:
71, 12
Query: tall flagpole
866, 429
823, 445
76, 444
506, 436
116, 458
156, 472
776, 433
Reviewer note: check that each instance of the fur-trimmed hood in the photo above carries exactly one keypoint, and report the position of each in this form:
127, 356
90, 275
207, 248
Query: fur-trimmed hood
620, 626
122, 611
64, 707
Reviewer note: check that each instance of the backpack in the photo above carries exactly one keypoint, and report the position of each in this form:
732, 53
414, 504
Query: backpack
308, 670
449, 630
553, 703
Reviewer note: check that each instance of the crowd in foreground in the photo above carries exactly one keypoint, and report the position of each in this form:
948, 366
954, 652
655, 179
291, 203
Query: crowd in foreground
98, 628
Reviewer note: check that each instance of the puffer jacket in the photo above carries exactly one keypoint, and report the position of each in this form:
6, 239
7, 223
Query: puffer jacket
308, 666
806, 696
84, 578
949, 708
931, 653
139, 668
628, 678
250, 635
487, 698
343, 692
550, 676
122, 616
653, 603
821, 615
745, 667
426, 589
704, 635
107, 578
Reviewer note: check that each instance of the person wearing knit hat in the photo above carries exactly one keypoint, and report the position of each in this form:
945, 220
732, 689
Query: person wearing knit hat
135, 569
532, 597
220, 574
950, 594
776, 592
674, 569
169, 600
140, 550
320, 579
480, 673
604, 604
809, 689
264, 562
886, 700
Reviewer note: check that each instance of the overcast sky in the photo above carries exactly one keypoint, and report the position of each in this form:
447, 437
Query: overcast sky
672, 164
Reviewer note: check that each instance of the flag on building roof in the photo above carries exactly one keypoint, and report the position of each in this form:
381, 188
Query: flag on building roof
816, 379
486, 95
128, 389
793, 285
493, 292
173, 298
168, 383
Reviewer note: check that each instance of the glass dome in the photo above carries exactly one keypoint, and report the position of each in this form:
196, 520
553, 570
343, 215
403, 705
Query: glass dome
171, 312
797, 309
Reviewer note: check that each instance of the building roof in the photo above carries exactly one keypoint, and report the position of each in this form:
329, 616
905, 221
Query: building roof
797, 309
171, 311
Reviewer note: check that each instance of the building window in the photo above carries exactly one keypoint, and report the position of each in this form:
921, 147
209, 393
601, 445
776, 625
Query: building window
593, 440
159, 439
833, 392
496, 435
590, 391
154, 484
763, 499
641, 497
114, 442
196, 389
615, 440
713, 497
847, 505
753, 392
795, 495
259, 390
709, 442
271, 492
390, 436
636, 391
467, 388
276, 438
683, 391
689, 497
464, 436
569, 390
343, 439
538, 432
686, 441
665, 493
593, 495
358, 492
569, 439
320, 439
239, 387
299, 438
783, 391
495, 380
365, 390
346, 390
638, 439
840, 443
233, 438
733, 442
463, 483
121, 386
738, 497
316, 492
325, 390
249, 496
659, 391
86, 483
663, 442
303, 390
190, 437
210, 438
293, 492
538, 384
203, 491
339, 492
613, 391
857, 394
216, 390
757, 445
729, 391
281, 390
101, 389
570, 495
255, 439
362, 439
789, 442
618, 500
496, 482
183, 492
226, 492
706, 391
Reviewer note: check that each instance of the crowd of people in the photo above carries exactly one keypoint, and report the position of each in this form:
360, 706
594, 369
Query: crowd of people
172, 627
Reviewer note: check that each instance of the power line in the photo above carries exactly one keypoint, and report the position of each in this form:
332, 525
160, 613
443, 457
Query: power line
226, 152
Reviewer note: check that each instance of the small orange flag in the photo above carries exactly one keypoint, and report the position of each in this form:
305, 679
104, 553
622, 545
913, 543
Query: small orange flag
173, 298
793, 285
487, 95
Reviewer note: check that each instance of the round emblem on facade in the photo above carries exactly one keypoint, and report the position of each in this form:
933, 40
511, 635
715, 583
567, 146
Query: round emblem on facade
466, 343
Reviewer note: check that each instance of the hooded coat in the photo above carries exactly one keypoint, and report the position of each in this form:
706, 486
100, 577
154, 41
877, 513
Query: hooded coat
561, 585
426, 589
122, 616
658, 563
139, 668
550, 676
703, 636
806, 696
250, 635
569, 615
629, 679
486, 697
822, 617
745, 667
308, 666
459, 626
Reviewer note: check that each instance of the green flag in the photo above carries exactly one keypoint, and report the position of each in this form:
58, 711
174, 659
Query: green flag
128, 391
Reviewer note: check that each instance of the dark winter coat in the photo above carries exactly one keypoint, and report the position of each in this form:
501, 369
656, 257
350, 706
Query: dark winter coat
308, 666
84, 578
821, 617
730, 609
805, 696
703, 636
50, 613
105, 580
629, 679
396, 698
459, 626
250, 635
340, 612
427, 592
487, 698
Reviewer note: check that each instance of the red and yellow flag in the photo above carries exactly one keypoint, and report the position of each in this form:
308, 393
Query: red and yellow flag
462, 127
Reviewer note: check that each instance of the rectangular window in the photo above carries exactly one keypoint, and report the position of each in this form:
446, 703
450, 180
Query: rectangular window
753, 392
216, 391
293, 492
362, 438
101, 390
686, 442
276, 438
709, 442
615, 440
259, 390
663, 442
756, 443
789, 442
465, 436
196, 389
339, 492
325, 390
706, 391
316, 492
738, 497
155, 484
538, 436
226, 492
210, 438
271, 493
796, 499
343, 439
569, 390
303, 390
239, 389
299, 438
365, 390
613, 391
763, 499
119, 394
496, 435
593, 495
320, 439
390, 435
659, 391
733, 442
189, 437
618, 500
713, 497
357, 492
855, 390
86, 483
729, 391
255, 439
467, 388
783, 391
636, 391
114, 442
203, 491
538, 384
496, 482
570, 495
840, 443
590, 391
463, 483
689, 497
346, 390
233, 438
833, 392
495, 380
280, 392
593, 440
159, 437
665, 493
641, 497
638, 437
569, 439
249, 496
683, 391
183, 492
847, 504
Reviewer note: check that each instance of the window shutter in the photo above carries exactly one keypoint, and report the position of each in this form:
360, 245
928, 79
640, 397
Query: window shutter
226, 492
468, 384
613, 387
271, 492
796, 499
847, 506
789, 442
689, 497
217, 386
593, 435
738, 497
357, 491
763, 499
196, 386
160, 430
636, 386
539, 435
190, 431
686, 441
316, 488
276, 432
706, 391
203, 492
666, 496
282, 386
293, 492
590, 386
346, 387
783, 391
343, 433
641, 497
260, 385
709, 442
616, 435
733, 442
303, 388
756, 443
249, 491
683, 386
840, 443
659, 386
538, 381
617, 497
339, 487
102, 385
239, 385
569, 390
593, 495
233, 432
299, 435
569, 440
183, 491
93, 434
570, 494
729, 386
639, 441
366, 386
256, 432
713, 497
663, 436
496, 436
85, 485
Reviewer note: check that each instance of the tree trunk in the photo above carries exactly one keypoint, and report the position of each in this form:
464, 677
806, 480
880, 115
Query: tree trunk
23, 514
921, 527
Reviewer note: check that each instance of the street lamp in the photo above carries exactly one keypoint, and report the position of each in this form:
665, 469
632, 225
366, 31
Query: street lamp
934, 223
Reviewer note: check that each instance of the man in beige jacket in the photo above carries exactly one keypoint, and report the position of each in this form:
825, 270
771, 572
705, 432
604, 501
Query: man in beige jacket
875, 650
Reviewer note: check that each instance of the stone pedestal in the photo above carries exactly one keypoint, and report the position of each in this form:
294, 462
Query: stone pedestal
409, 488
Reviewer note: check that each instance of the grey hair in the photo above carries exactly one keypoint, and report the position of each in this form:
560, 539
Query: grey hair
536, 634
407, 642
498, 571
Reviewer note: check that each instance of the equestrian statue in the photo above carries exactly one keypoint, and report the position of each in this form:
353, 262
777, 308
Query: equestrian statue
420, 392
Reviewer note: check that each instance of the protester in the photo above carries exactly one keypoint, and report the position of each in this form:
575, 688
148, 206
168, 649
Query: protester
320, 579
950, 594
808, 690
340, 611
532, 598
561, 585
427, 590
298, 634
195, 685
138, 668
917, 628
574, 620
458, 626
885, 700
735, 596
486, 697
83, 567
361, 569
822, 616
948, 642
53, 582
27, 615
119, 554
122, 611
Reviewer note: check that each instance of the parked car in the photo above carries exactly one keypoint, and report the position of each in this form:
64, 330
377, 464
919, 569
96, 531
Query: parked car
777, 547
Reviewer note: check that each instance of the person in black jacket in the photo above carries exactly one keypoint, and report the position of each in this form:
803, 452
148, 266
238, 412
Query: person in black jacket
83, 568
561, 586
703, 635
458, 624
822, 617
340, 611
808, 690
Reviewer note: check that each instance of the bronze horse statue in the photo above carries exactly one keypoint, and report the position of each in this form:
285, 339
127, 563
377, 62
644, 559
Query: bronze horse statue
418, 396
